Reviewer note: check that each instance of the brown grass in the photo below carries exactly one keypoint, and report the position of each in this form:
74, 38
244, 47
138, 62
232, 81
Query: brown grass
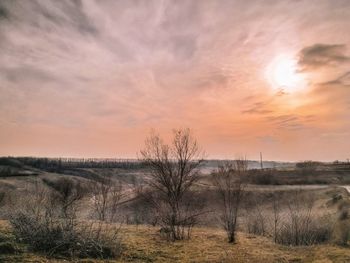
143, 244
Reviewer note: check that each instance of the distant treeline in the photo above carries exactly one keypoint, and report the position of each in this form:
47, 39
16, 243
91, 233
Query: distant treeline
58, 164
313, 166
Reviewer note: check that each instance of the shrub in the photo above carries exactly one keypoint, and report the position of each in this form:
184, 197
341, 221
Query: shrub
305, 236
336, 198
255, 226
8, 248
307, 167
341, 233
343, 214
57, 237
255, 217
344, 205
263, 177
47, 223
303, 227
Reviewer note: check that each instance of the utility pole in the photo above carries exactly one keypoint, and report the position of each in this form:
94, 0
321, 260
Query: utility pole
261, 161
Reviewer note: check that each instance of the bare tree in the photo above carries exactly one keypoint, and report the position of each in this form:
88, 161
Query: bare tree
68, 193
106, 196
228, 180
173, 172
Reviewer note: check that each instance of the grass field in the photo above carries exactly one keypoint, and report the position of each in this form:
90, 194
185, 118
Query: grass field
143, 244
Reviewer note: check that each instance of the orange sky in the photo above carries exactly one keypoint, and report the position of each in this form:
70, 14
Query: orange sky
92, 78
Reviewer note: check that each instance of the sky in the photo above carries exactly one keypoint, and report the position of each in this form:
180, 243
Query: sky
92, 78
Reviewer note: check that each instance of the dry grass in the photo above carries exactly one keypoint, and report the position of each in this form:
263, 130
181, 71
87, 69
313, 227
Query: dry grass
143, 244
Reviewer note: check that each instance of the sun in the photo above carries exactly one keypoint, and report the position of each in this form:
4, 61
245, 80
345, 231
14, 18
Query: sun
282, 73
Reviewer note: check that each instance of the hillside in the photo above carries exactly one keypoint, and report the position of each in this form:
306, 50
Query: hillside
143, 244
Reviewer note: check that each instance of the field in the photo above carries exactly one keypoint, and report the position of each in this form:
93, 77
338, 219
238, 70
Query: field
143, 244
141, 239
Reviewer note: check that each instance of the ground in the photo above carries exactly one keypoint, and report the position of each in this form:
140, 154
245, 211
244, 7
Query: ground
143, 244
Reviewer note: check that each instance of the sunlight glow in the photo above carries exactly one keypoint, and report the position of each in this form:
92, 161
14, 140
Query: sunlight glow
282, 73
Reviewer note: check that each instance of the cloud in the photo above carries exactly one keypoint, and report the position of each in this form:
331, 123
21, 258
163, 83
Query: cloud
121, 67
258, 108
19, 74
290, 121
3, 13
343, 81
268, 105
328, 68
320, 55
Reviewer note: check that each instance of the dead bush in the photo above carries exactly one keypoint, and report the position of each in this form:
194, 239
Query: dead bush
336, 198
344, 205
255, 217
314, 233
301, 226
106, 197
341, 232
263, 177
343, 214
47, 222
68, 239
8, 248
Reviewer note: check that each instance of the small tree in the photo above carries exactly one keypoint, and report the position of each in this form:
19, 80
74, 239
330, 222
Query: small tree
106, 196
173, 172
68, 193
228, 180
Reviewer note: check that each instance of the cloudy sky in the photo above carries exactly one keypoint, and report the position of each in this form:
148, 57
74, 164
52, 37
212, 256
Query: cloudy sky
92, 78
